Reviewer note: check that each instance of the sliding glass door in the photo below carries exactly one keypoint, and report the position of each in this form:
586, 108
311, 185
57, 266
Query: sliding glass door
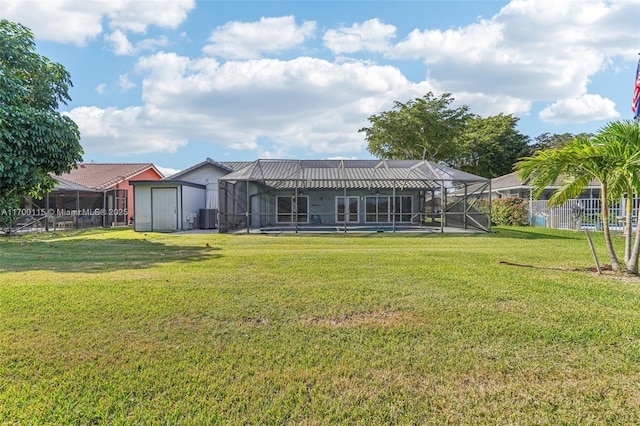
347, 209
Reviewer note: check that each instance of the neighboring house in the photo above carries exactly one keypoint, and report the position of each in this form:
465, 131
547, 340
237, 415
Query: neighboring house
114, 180
312, 195
583, 211
511, 185
92, 194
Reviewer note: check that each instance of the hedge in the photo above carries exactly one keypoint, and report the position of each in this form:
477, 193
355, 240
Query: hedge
510, 211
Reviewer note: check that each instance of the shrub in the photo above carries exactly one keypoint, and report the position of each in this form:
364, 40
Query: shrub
9, 212
510, 211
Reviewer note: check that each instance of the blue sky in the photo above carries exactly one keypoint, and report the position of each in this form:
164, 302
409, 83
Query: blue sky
176, 81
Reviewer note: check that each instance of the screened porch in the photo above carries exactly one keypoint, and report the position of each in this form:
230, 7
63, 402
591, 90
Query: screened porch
71, 206
352, 195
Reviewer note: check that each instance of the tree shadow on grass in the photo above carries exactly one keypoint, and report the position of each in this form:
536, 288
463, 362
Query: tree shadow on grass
534, 233
521, 233
96, 255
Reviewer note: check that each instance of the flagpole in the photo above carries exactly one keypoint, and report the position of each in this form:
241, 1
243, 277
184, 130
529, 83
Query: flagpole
637, 116
635, 103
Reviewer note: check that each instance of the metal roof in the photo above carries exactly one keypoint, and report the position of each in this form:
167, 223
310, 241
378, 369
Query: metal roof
65, 185
331, 174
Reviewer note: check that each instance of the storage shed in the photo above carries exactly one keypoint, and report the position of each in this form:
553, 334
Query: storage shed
183, 201
167, 205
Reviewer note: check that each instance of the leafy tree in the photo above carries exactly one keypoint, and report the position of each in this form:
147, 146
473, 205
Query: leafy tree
35, 139
423, 128
549, 141
574, 166
429, 128
491, 146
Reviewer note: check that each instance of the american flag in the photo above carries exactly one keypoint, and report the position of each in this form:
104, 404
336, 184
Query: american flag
635, 103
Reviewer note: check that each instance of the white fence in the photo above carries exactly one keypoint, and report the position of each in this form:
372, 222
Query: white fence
578, 214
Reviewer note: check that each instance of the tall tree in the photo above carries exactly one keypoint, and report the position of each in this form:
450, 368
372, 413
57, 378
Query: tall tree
574, 166
621, 140
491, 146
35, 139
549, 141
423, 128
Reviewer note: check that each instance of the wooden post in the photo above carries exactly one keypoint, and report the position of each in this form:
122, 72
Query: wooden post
593, 251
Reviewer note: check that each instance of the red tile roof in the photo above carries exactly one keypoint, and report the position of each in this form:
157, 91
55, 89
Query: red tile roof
106, 175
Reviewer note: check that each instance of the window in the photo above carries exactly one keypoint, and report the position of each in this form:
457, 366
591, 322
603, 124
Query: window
346, 207
291, 209
377, 209
403, 208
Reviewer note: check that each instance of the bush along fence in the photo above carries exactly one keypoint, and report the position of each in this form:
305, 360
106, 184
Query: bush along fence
510, 211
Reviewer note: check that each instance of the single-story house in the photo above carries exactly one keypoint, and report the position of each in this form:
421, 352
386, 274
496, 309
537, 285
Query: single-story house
92, 194
510, 185
273, 195
113, 179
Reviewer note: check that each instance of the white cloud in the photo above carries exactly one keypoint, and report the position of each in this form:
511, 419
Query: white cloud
532, 50
371, 35
55, 20
305, 103
120, 43
124, 83
78, 22
487, 105
580, 110
121, 46
128, 131
248, 40
136, 16
152, 44
101, 88
167, 171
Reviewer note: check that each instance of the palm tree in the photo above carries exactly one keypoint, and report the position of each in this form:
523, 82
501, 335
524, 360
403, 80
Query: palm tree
622, 142
574, 166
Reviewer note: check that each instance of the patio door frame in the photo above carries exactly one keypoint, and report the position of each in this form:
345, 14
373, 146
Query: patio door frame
347, 212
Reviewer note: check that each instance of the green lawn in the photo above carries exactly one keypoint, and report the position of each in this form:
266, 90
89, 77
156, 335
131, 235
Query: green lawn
117, 327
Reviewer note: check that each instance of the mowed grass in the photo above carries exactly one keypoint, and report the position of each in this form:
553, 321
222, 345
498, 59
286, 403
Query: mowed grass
117, 327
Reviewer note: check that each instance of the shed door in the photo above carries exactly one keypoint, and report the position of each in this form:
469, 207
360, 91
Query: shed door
164, 209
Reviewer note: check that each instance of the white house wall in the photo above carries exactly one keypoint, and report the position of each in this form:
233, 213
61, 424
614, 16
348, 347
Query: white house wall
204, 175
193, 199
207, 175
